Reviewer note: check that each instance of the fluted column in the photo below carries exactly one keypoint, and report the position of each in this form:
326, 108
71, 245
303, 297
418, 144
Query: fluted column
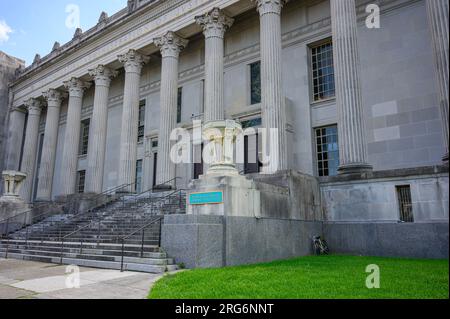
98, 128
47, 167
76, 89
133, 63
171, 46
34, 108
352, 139
214, 25
272, 95
15, 137
438, 21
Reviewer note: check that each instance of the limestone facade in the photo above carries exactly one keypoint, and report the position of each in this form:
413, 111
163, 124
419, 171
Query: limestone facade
192, 59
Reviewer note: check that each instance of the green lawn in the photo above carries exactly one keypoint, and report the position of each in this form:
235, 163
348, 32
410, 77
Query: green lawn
327, 277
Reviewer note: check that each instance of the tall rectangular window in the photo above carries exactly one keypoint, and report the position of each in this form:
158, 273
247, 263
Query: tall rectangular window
323, 71
139, 176
81, 180
255, 83
179, 104
141, 124
84, 137
327, 150
405, 203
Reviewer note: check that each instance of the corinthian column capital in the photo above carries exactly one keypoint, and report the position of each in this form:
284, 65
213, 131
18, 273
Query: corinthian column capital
33, 106
214, 23
54, 97
76, 87
133, 61
170, 44
269, 6
102, 75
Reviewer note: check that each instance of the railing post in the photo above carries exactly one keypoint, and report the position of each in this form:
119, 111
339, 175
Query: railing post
98, 234
123, 252
160, 231
62, 249
81, 248
142, 243
7, 248
7, 227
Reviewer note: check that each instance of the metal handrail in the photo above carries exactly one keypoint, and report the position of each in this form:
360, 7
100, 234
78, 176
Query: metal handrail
48, 204
62, 239
143, 228
160, 199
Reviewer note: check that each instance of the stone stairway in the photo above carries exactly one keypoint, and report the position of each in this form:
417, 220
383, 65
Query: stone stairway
95, 238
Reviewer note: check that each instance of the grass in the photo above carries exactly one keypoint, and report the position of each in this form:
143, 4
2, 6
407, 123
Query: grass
327, 277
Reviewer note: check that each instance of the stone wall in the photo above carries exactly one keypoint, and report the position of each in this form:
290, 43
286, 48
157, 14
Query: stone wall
408, 240
214, 241
8, 65
373, 197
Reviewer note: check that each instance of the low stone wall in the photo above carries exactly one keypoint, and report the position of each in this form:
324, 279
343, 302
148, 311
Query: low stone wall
373, 196
409, 240
200, 241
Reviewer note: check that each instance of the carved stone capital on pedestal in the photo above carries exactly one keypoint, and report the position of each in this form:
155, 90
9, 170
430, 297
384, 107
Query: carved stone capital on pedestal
269, 6
214, 23
222, 137
76, 87
54, 97
133, 61
102, 75
170, 44
33, 106
13, 181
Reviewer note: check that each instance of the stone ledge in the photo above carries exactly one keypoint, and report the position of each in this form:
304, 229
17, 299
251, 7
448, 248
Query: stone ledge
395, 173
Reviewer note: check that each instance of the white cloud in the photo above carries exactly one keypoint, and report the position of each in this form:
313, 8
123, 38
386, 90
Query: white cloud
5, 30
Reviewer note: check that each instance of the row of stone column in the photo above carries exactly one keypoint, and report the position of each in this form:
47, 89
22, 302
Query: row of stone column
353, 149
102, 76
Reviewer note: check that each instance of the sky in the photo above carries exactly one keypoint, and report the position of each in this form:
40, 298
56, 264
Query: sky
28, 27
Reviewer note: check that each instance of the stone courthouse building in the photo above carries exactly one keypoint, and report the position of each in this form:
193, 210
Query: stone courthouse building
360, 101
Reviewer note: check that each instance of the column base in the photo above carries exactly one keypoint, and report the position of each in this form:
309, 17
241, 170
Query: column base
356, 168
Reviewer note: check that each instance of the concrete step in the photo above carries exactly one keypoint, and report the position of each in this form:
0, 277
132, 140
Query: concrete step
85, 255
140, 267
89, 251
93, 245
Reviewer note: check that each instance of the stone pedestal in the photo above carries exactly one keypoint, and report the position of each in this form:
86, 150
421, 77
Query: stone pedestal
223, 196
222, 191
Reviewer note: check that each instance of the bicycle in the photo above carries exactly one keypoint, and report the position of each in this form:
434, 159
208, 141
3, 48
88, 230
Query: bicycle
320, 246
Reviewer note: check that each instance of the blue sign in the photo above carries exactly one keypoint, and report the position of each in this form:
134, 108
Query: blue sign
206, 198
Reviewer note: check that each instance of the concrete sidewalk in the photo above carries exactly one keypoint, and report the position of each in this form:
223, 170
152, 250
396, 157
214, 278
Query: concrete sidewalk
32, 280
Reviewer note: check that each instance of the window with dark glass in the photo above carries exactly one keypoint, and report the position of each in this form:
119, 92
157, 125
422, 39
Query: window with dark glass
405, 203
179, 104
84, 136
141, 127
323, 71
327, 150
139, 176
81, 180
255, 83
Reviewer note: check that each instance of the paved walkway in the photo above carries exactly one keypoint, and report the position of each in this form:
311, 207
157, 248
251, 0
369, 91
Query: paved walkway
32, 280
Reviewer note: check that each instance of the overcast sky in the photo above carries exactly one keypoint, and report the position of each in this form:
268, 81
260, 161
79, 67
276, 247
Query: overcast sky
28, 27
